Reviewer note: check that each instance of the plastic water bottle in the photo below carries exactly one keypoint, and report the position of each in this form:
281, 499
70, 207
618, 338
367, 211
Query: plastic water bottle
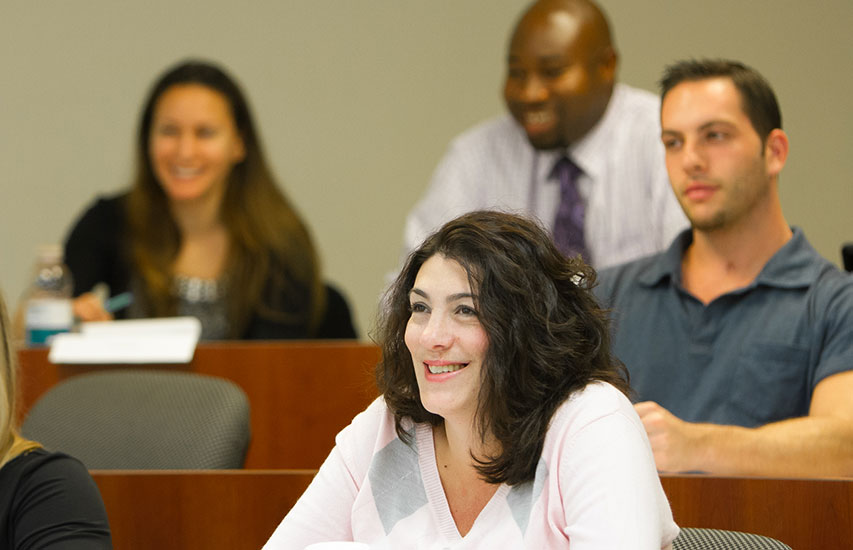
48, 300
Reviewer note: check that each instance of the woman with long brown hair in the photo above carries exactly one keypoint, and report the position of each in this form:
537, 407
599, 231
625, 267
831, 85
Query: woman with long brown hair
204, 230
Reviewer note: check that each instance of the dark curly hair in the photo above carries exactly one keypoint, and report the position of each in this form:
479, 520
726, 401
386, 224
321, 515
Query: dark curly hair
548, 337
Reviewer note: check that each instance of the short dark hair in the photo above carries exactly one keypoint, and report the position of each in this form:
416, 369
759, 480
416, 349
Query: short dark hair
548, 337
757, 98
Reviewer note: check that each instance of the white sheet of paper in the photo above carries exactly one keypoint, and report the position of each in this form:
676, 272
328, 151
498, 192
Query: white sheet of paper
136, 341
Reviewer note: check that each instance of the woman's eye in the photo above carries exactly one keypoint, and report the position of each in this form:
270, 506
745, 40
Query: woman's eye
552, 72
467, 311
167, 130
418, 307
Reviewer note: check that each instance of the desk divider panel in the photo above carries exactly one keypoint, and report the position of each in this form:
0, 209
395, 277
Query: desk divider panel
805, 514
301, 393
234, 509
209, 509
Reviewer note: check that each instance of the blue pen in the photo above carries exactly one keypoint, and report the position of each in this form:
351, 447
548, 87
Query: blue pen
118, 302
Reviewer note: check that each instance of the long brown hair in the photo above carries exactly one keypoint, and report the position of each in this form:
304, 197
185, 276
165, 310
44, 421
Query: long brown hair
11, 444
266, 235
548, 337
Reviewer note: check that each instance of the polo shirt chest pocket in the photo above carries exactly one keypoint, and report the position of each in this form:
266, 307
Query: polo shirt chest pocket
770, 383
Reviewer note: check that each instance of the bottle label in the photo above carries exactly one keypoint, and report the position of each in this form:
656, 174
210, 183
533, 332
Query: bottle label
46, 317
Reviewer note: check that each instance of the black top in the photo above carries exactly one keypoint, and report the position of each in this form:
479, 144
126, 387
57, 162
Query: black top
847, 256
49, 501
96, 251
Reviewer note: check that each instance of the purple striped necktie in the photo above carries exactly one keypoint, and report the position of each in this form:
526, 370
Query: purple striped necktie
568, 223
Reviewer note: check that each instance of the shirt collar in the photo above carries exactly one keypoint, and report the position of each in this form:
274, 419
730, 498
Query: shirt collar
546, 161
795, 265
586, 152
668, 264
792, 266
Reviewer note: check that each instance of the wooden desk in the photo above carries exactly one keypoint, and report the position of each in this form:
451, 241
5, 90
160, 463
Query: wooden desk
210, 509
236, 509
291, 426
282, 381
804, 514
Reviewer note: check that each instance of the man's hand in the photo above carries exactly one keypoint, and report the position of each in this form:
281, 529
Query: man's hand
818, 445
674, 441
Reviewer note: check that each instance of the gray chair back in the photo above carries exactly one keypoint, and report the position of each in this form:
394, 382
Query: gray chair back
144, 419
716, 539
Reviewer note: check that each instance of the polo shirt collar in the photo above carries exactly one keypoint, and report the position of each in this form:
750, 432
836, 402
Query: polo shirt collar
795, 265
667, 265
792, 266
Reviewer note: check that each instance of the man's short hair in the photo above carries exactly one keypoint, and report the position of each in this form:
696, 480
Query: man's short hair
757, 98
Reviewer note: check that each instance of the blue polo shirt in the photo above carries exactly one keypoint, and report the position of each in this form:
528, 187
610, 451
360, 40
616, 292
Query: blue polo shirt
749, 357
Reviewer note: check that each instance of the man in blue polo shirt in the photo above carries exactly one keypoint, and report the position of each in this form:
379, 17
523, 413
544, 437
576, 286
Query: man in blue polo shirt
739, 337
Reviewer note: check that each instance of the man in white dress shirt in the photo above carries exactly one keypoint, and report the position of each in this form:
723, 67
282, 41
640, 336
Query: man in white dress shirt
563, 101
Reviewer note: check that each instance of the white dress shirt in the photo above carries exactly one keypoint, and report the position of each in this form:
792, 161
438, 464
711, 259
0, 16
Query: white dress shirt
630, 208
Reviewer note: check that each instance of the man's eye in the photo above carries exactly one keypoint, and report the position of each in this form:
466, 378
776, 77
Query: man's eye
671, 143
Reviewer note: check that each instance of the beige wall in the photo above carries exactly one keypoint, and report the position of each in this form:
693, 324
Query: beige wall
357, 100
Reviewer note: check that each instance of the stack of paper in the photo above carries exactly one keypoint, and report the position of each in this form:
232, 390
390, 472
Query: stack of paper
170, 340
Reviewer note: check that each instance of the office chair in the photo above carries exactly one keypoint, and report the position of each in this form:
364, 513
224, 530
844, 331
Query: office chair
138, 419
716, 539
847, 256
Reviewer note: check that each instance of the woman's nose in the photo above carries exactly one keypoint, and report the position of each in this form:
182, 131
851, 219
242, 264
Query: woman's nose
437, 333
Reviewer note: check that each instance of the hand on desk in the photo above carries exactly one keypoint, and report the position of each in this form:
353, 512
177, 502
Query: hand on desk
817, 445
675, 443
90, 307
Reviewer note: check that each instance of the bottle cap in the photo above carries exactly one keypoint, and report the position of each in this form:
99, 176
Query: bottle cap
50, 253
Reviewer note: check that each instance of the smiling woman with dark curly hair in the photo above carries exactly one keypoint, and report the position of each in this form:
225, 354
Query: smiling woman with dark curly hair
503, 421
